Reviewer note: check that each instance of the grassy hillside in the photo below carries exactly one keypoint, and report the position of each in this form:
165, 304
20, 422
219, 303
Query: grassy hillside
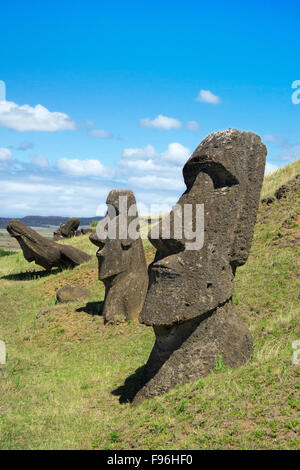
279, 177
67, 373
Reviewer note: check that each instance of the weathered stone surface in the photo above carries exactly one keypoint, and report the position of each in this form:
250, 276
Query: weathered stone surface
189, 297
72, 293
67, 229
2, 353
44, 252
122, 265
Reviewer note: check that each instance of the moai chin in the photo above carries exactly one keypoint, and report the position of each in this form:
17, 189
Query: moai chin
189, 300
121, 259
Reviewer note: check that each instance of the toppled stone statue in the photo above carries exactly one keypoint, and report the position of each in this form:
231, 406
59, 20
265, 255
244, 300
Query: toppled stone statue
189, 300
67, 229
121, 259
44, 252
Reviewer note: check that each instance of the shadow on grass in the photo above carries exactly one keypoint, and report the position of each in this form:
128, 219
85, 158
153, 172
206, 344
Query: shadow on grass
92, 308
30, 275
131, 386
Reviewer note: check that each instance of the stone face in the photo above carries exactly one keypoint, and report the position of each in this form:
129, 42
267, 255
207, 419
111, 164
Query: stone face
67, 229
121, 261
44, 252
189, 297
72, 293
2, 353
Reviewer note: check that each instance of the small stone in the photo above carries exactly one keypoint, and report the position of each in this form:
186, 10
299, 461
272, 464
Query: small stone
72, 293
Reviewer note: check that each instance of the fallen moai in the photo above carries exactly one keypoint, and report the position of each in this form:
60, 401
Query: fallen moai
67, 229
44, 252
121, 260
189, 300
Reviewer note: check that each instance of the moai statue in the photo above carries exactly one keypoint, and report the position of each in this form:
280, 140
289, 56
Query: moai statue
121, 258
44, 252
67, 229
189, 300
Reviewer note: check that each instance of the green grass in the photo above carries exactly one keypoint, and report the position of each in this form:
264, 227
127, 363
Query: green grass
65, 370
5, 253
279, 177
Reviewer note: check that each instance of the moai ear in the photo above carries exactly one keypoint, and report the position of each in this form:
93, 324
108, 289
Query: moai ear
219, 175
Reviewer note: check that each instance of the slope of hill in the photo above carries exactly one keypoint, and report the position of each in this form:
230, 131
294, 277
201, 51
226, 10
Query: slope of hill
69, 379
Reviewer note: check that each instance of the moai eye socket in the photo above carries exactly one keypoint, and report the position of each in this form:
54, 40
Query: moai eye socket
220, 176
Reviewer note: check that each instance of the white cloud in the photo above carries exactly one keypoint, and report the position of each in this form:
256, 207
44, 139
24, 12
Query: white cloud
149, 170
161, 122
176, 153
192, 126
156, 182
101, 133
76, 167
290, 153
37, 118
40, 161
207, 96
140, 165
49, 197
5, 154
139, 153
270, 168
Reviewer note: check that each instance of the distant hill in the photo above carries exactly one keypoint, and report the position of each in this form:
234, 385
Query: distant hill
44, 221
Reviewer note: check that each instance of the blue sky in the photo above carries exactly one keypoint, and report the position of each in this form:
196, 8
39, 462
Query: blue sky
103, 95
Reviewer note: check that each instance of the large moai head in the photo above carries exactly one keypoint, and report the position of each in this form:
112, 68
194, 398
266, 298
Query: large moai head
223, 178
189, 300
121, 258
